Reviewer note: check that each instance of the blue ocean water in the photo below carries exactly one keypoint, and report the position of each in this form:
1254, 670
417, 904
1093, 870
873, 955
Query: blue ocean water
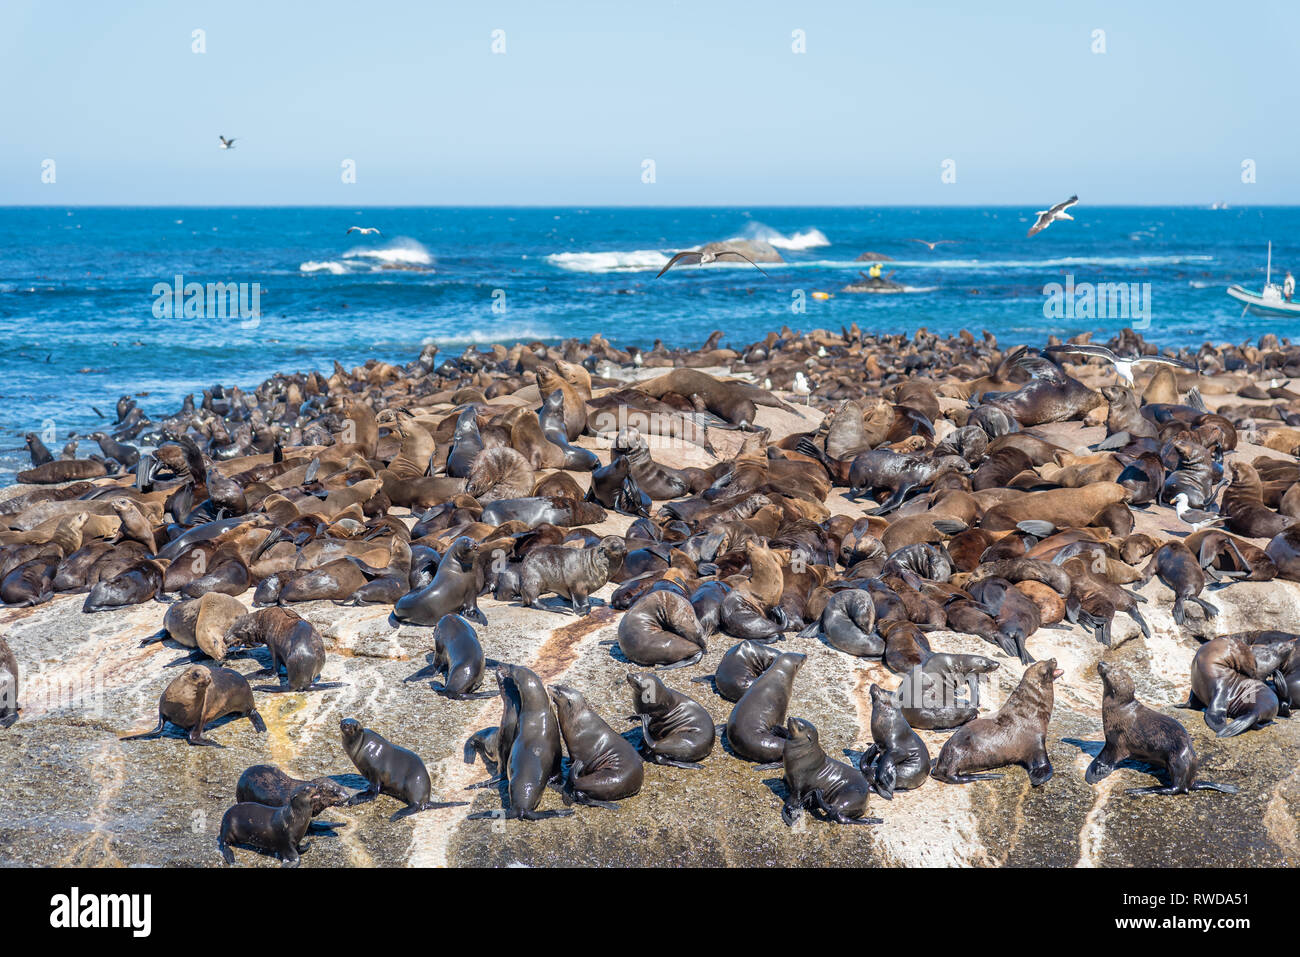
78, 324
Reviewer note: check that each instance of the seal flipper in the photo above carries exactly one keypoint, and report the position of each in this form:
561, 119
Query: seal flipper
226, 852
1230, 729
1211, 786
692, 660
1036, 527
256, 720
155, 733
426, 806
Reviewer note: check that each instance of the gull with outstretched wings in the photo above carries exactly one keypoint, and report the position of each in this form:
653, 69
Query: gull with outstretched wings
227, 144
1123, 364
692, 256
363, 230
1048, 216
937, 242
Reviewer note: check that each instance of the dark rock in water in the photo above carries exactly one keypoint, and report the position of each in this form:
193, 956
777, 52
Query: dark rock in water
877, 284
870, 257
756, 249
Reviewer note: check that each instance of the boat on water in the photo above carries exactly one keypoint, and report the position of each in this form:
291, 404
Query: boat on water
1270, 302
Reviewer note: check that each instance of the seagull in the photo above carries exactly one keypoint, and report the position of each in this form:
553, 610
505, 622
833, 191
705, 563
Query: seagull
363, 230
1123, 364
227, 144
1048, 216
801, 387
695, 256
937, 242
1195, 517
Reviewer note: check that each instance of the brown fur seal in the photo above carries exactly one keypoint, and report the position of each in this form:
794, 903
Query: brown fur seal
458, 656
897, 758
1243, 504
274, 830
294, 644
1064, 508
818, 783
267, 784
1014, 734
202, 695
1225, 684
389, 769
201, 623
1135, 731
739, 667
755, 729
661, 629
675, 728
453, 590
1180, 571
571, 572
500, 473
604, 766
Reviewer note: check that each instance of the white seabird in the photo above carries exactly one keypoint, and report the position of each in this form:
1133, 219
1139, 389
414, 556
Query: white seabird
1048, 216
1123, 364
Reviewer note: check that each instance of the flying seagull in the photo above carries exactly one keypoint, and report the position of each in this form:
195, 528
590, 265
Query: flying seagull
937, 242
227, 144
1123, 364
363, 230
1048, 216
1195, 517
708, 256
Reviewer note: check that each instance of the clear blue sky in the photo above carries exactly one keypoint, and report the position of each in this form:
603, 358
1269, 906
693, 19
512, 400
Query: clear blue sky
586, 90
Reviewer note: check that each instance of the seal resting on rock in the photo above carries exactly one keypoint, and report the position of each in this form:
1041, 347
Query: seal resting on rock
675, 728
1225, 684
273, 830
200, 695
604, 767
897, 758
817, 782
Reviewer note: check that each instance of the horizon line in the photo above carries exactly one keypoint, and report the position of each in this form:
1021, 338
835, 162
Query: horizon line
627, 206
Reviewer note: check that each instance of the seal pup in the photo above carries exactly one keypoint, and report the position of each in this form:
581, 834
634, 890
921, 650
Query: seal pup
389, 769
1176, 566
200, 695
815, 781
8, 685
1135, 731
1014, 734
458, 656
755, 726
603, 765
272, 830
1225, 684
571, 572
675, 728
267, 784
739, 667
897, 758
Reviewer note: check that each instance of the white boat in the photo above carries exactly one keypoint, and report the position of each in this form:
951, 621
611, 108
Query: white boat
1270, 302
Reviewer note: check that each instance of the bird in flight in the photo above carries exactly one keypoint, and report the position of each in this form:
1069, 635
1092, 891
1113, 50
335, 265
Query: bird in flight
363, 230
1123, 364
227, 144
695, 256
937, 242
1048, 216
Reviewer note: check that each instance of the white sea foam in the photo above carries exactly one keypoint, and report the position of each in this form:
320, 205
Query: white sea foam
811, 238
334, 268
401, 252
633, 261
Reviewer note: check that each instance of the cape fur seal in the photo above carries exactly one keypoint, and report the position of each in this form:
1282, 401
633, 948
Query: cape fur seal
661, 629
200, 695
458, 657
755, 727
603, 765
740, 665
1225, 685
273, 830
675, 728
388, 769
1014, 734
897, 758
454, 589
818, 783
1135, 731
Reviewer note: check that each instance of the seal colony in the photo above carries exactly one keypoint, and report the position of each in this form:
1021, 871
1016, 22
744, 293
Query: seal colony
928, 486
